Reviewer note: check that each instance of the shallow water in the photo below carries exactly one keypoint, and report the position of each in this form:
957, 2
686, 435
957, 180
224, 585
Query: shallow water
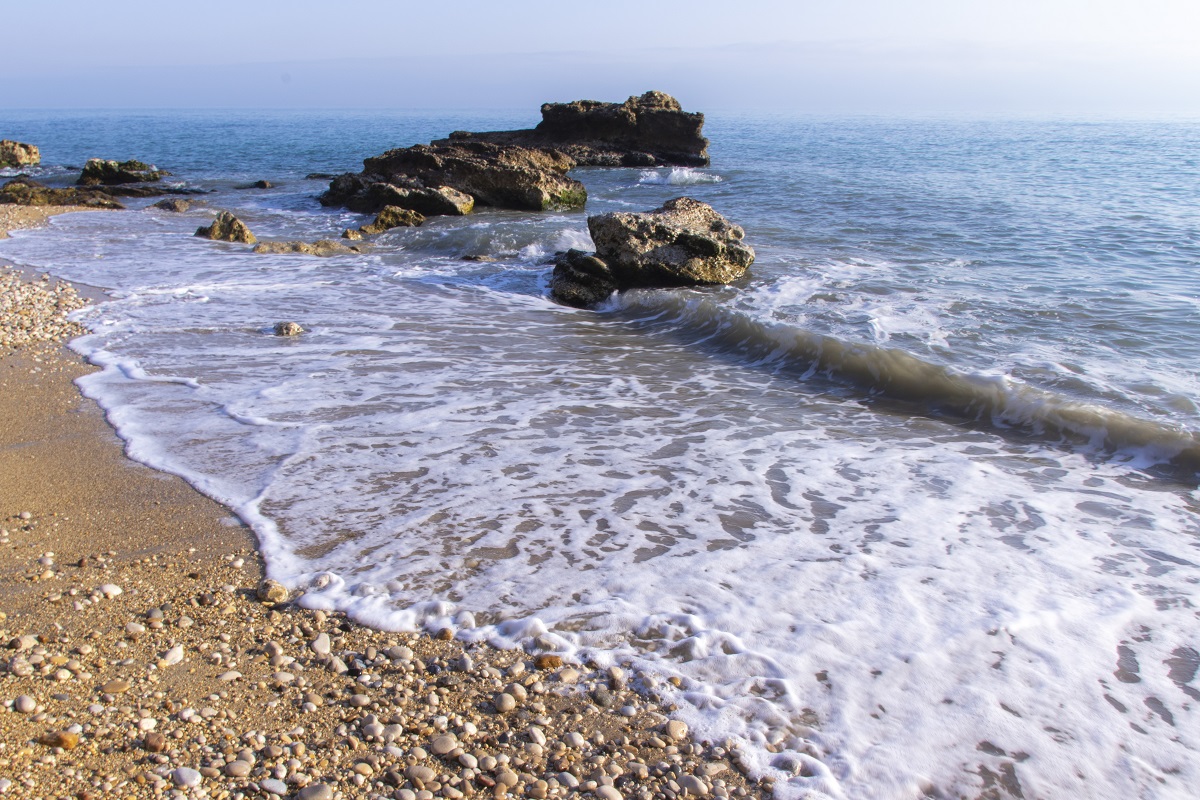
911, 508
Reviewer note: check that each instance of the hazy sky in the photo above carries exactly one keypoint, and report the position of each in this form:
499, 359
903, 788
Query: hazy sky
863, 56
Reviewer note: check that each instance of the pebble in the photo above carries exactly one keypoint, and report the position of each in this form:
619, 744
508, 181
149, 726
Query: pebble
238, 768
273, 786
270, 591
25, 704
677, 730
443, 744
321, 645
606, 792
186, 777
547, 661
360, 701
22, 643
109, 589
5, 785
693, 785
231, 675
115, 686
505, 702
173, 656
154, 742
315, 791
63, 739
568, 675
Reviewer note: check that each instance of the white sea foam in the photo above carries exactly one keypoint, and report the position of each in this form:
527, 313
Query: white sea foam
678, 176
876, 603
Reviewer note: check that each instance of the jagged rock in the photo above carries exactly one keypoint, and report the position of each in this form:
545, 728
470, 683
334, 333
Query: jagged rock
18, 154
352, 234
99, 171
647, 130
581, 280
26, 192
322, 247
393, 217
227, 228
282, 329
683, 243
173, 204
492, 175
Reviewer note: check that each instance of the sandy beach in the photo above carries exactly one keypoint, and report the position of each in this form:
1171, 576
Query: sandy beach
141, 660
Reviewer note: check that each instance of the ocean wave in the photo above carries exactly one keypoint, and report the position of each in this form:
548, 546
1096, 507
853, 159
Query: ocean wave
677, 176
894, 374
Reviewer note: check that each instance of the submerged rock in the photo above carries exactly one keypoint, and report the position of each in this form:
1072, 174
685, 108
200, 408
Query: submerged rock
104, 172
26, 192
647, 130
18, 154
393, 217
683, 243
227, 228
282, 329
173, 204
322, 247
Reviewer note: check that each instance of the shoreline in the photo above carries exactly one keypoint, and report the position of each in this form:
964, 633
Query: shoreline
140, 659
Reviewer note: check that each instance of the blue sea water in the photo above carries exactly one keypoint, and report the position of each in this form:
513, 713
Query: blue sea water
893, 506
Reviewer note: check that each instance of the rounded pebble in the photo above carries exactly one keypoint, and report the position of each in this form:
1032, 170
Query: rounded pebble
315, 791
505, 702
273, 786
186, 777
25, 704
605, 792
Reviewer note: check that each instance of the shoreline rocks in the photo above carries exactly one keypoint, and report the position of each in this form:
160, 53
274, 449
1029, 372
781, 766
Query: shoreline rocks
645, 131
25, 191
227, 228
19, 154
683, 243
323, 248
105, 172
455, 178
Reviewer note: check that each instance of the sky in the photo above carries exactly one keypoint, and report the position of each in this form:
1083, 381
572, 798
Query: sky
974, 57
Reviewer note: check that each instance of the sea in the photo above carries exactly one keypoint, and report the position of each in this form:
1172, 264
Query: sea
910, 510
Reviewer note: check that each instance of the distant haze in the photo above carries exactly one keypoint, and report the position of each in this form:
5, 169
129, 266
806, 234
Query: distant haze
1052, 57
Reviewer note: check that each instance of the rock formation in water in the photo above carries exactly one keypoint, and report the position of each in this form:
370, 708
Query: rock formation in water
683, 243
173, 204
525, 170
103, 172
454, 178
18, 154
227, 228
322, 247
646, 131
26, 192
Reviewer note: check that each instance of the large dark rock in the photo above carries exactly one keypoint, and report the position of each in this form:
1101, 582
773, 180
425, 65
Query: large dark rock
684, 243
432, 179
581, 280
26, 192
644, 131
18, 154
227, 228
103, 172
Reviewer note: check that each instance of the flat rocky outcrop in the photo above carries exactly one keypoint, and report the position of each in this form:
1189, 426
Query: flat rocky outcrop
103, 172
322, 247
26, 192
454, 178
18, 154
645, 131
683, 243
227, 228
